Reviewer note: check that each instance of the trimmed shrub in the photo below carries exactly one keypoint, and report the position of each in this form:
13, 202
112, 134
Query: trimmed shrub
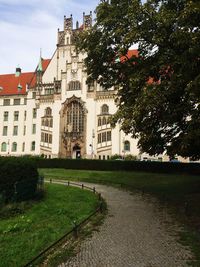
18, 178
122, 165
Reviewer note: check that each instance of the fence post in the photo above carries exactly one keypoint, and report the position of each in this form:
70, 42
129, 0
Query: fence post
75, 229
82, 186
68, 183
101, 206
94, 190
50, 180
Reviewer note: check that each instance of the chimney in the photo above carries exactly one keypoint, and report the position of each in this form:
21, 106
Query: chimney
18, 72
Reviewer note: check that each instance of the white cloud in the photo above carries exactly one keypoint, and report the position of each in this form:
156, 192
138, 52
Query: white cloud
27, 26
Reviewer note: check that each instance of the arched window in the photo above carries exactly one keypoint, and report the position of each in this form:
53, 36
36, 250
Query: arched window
74, 85
14, 147
99, 121
3, 147
126, 146
75, 117
48, 112
104, 121
104, 109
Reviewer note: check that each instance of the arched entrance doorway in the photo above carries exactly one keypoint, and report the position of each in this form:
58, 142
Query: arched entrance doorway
76, 152
73, 128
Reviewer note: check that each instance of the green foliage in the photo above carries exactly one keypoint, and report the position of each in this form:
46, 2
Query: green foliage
130, 157
159, 97
124, 165
18, 178
24, 234
115, 156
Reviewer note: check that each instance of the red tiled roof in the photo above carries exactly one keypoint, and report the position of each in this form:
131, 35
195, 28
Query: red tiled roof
9, 83
45, 63
130, 54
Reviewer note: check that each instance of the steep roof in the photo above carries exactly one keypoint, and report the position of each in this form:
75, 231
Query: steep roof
131, 53
11, 84
45, 63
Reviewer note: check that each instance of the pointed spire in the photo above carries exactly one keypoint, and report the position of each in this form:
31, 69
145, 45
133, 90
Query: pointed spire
39, 67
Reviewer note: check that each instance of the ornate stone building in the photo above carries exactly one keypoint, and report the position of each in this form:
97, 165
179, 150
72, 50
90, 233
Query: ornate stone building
53, 112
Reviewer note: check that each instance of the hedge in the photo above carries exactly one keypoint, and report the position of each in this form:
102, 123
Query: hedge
115, 165
18, 178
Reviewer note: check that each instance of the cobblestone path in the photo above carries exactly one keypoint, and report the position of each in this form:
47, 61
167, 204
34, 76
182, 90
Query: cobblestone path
135, 233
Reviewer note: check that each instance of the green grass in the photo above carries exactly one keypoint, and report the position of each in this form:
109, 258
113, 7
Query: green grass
23, 236
180, 193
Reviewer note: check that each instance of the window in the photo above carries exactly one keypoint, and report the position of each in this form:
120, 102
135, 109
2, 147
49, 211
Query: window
23, 147
24, 133
25, 115
109, 136
47, 123
75, 117
3, 147
5, 130
34, 95
99, 138
48, 111
91, 86
126, 146
42, 137
74, 85
16, 101
46, 138
50, 139
99, 121
14, 147
104, 109
33, 128
6, 102
104, 121
25, 101
33, 146
5, 116
34, 113
16, 115
51, 123
49, 91
15, 130
104, 137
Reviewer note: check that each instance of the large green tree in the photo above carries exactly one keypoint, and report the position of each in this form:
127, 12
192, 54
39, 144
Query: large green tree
159, 90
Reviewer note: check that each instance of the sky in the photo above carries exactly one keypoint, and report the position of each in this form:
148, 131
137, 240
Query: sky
26, 26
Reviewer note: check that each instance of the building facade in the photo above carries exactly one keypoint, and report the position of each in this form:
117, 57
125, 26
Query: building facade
53, 112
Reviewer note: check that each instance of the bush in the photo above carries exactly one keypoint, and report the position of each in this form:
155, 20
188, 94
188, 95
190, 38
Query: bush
122, 165
18, 178
130, 157
116, 156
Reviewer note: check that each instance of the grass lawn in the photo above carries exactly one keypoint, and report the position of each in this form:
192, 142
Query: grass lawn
181, 194
23, 236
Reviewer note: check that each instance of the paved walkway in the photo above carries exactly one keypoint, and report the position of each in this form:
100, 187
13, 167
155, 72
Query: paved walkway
135, 233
